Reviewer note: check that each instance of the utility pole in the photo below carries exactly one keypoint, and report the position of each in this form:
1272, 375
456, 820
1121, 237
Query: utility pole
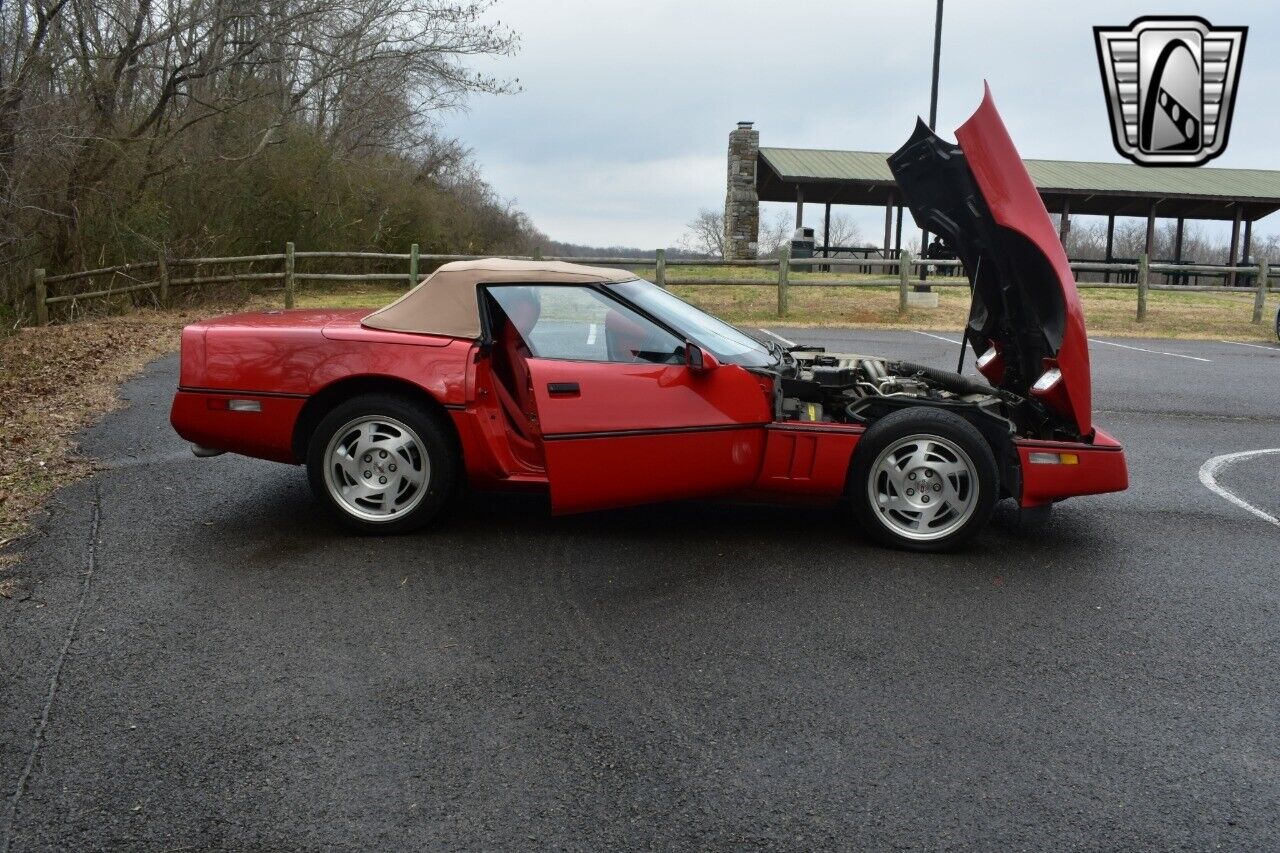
937, 59
933, 124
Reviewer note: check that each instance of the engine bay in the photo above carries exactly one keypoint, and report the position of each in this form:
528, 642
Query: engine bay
819, 387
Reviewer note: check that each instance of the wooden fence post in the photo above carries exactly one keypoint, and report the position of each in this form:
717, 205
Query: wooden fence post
162, 272
42, 293
1144, 274
1260, 297
660, 268
904, 277
288, 275
413, 266
784, 272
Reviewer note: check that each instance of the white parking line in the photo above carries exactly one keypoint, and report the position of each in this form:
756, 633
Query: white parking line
1208, 475
1254, 346
1152, 351
939, 338
780, 338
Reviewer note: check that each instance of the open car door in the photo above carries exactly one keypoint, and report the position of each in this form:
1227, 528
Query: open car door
623, 419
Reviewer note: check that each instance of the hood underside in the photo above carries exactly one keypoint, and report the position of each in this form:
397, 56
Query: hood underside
1025, 322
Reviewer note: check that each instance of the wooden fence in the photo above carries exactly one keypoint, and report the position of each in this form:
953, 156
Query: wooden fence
903, 272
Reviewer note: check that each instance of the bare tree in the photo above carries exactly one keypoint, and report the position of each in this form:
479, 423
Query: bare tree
704, 234
1268, 247
1129, 239
775, 235
100, 98
844, 232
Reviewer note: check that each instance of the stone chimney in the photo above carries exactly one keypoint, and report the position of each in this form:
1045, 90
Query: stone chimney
741, 202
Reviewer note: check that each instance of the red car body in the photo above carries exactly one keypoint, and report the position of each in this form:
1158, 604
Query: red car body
656, 432
615, 434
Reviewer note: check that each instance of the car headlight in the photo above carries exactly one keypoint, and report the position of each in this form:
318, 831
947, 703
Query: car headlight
1047, 380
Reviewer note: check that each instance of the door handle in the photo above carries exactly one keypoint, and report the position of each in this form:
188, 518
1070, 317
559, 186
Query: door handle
563, 389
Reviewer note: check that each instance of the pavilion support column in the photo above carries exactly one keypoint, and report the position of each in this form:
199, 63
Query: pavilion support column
1245, 246
799, 206
1064, 225
924, 268
1111, 241
888, 226
1150, 242
742, 198
1235, 246
826, 231
897, 237
1178, 278
1151, 229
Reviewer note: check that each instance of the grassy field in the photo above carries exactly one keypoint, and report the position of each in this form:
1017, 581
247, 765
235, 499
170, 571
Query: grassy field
1107, 312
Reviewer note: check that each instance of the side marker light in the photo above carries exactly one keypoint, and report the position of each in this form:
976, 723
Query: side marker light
1039, 457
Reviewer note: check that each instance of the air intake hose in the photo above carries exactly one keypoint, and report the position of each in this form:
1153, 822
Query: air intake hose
953, 382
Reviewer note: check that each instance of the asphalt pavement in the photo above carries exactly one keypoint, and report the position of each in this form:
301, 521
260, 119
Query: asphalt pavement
201, 662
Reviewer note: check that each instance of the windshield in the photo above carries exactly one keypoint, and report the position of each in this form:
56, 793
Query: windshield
724, 341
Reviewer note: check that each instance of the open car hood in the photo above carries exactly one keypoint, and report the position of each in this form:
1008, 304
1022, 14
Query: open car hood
1025, 322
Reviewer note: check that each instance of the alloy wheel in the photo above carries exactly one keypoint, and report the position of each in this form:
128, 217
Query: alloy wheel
923, 487
376, 468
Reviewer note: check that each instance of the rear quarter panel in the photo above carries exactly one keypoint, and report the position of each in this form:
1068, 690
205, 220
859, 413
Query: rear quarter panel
281, 359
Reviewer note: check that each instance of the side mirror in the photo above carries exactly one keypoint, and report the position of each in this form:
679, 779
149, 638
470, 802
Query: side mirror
699, 360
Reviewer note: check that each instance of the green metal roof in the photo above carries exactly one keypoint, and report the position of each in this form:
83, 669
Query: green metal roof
1206, 192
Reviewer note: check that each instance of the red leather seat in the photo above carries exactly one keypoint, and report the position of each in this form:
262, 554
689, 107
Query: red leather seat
513, 386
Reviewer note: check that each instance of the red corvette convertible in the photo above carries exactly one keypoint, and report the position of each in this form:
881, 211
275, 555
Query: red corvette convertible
607, 390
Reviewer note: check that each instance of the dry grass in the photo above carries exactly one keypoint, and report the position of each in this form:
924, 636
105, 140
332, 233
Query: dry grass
1107, 312
55, 381
355, 296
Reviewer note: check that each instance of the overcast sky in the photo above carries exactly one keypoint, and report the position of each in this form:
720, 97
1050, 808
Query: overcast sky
620, 133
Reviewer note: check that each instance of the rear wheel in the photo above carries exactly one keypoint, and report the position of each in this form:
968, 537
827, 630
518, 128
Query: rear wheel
923, 479
381, 464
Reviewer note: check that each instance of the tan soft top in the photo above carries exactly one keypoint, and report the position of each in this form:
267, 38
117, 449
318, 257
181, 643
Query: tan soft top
445, 302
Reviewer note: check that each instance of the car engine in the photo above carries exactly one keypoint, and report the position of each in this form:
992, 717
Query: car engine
816, 386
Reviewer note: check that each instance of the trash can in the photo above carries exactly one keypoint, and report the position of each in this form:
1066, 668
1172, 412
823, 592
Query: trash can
803, 243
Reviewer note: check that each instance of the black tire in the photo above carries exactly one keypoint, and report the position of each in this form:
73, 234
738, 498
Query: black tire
435, 454
1278, 324
962, 518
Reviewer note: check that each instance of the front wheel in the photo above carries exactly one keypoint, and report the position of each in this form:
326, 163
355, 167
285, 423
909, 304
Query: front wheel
923, 479
381, 464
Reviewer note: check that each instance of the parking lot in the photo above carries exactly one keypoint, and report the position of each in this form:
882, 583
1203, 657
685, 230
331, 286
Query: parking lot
203, 663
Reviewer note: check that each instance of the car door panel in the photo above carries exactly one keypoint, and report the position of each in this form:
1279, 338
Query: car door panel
617, 434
